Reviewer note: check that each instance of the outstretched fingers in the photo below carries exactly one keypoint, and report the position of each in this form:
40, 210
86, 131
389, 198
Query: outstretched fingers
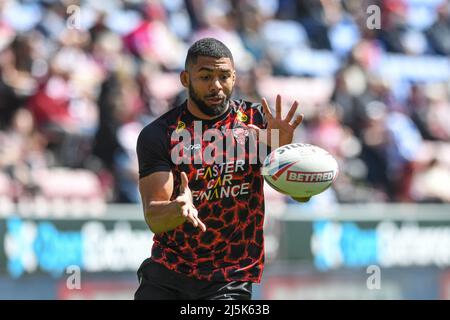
291, 112
266, 109
297, 120
199, 222
191, 215
278, 107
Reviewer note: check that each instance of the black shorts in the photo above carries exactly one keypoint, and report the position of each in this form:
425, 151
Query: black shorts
156, 282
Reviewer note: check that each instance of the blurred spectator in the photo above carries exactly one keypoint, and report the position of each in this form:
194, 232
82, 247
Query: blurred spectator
153, 41
218, 22
22, 152
247, 86
120, 108
375, 144
431, 183
439, 31
16, 80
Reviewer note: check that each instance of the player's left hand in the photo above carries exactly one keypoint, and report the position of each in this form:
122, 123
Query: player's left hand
284, 126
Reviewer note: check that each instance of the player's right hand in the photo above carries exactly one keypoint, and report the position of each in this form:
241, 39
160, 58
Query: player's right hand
185, 201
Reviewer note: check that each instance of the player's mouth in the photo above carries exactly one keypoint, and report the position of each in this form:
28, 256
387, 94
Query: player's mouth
215, 100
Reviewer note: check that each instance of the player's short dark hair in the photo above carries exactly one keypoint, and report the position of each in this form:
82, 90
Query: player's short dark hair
208, 47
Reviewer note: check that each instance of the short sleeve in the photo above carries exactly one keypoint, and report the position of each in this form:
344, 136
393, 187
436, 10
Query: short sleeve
152, 150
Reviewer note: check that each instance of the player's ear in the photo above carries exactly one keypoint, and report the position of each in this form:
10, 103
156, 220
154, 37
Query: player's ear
184, 78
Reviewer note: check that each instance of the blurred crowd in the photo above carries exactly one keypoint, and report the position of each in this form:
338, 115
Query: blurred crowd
79, 80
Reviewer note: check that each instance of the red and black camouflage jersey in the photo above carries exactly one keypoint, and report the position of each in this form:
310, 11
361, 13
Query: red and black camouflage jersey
228, 194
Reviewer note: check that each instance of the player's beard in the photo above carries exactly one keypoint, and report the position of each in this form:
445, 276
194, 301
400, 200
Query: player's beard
211, 111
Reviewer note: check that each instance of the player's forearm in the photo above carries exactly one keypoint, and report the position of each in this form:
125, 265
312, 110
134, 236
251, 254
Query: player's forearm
162, 216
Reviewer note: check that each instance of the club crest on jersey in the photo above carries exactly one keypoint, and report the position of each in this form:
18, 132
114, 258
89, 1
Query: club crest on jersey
180, 126
241, 116
240, 134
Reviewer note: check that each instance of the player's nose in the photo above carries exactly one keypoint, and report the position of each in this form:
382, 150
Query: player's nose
216, 85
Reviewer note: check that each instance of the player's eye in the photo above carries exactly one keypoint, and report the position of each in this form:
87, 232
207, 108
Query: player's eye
206, 77
224, 76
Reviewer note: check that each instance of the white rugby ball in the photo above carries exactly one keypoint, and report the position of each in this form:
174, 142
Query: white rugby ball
300, 170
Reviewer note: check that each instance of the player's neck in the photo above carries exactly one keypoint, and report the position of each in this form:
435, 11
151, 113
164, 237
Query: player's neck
195, 111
